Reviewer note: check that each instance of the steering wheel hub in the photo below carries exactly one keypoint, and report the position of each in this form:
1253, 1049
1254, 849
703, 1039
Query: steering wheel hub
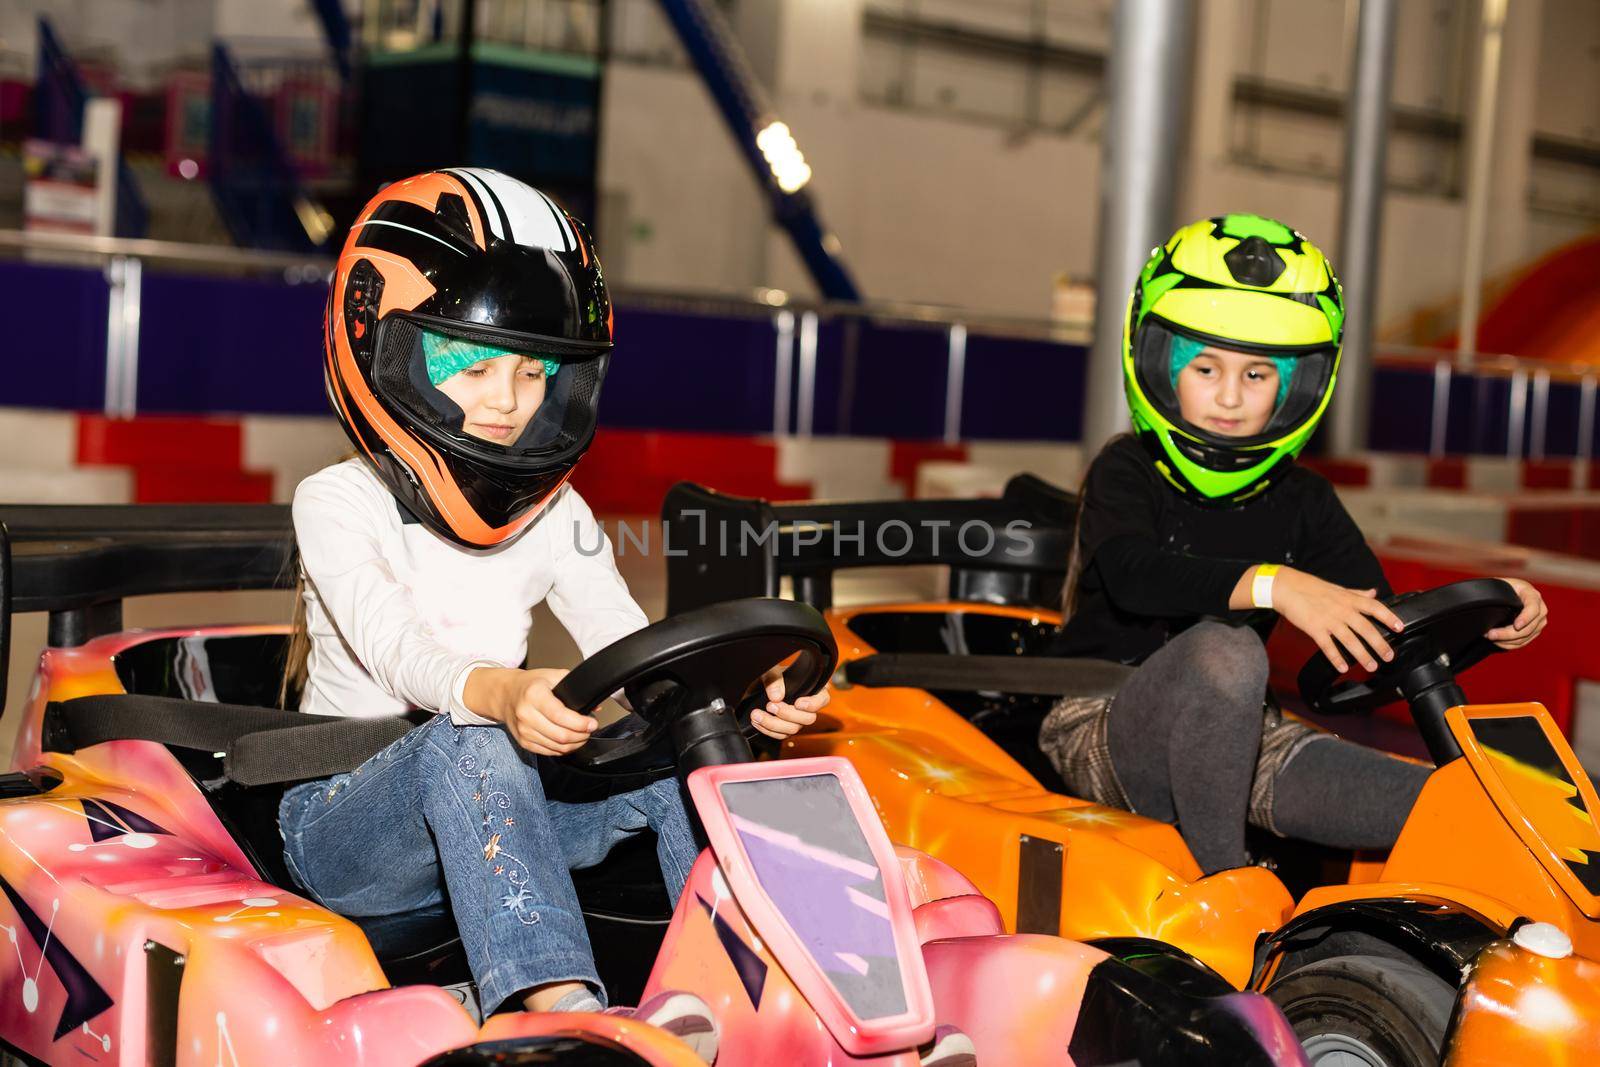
692, 682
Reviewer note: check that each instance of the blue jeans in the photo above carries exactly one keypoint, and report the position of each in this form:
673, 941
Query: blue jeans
461, 810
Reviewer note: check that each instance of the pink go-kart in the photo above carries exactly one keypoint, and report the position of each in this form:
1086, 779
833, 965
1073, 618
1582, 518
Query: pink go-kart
149, 919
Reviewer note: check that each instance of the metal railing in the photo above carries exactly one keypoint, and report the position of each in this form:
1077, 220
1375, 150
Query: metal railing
796, 320
1528, 403
123, 260
796, 323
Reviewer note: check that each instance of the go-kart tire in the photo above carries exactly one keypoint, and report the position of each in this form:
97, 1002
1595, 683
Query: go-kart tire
1366, 1011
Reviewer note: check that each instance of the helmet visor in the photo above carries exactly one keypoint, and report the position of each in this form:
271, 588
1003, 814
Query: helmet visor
515, 403
1297, 379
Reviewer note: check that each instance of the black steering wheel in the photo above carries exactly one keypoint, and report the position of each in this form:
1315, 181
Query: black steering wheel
692, 681
1443, 636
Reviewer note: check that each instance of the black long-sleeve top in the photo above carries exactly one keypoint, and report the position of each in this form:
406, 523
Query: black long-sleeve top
1154, 563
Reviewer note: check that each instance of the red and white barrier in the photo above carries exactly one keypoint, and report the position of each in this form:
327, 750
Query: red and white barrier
38, 462
63, 457
51, 457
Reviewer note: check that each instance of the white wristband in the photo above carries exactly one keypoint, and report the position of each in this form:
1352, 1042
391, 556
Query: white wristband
1261, 584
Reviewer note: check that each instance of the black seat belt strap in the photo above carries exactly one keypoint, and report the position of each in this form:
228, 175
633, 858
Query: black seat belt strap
262, 745
1034, 675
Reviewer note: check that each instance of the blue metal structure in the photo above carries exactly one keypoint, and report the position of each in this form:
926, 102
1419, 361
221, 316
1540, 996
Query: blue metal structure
266, 321
257, 193
60, 95
336, 28
720, 62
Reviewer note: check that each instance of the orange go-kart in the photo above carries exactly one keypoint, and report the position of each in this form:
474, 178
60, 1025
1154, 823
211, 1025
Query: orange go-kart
1476, 939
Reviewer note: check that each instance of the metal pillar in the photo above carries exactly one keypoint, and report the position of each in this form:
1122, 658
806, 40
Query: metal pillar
1366, 137
955, 380
783, 372
1147, 77
124, 307
1480, 144
1438, 431
806, 375
1586, 417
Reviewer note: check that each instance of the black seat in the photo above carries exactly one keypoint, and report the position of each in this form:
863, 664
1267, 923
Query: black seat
623, 898
994, 670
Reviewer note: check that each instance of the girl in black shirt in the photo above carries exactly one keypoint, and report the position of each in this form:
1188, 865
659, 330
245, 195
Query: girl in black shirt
1199, 531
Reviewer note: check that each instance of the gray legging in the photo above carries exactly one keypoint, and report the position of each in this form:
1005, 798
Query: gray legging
1184, 733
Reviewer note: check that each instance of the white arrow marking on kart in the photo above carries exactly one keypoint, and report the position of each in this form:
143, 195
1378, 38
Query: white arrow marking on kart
223, 1037
103, 1039
124, 837
30, 985
248, 903
28, 854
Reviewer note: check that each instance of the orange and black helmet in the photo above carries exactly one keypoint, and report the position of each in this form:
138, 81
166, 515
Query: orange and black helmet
453, 259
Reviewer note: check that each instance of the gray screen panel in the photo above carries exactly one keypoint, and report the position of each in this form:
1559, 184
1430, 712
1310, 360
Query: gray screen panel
815, 865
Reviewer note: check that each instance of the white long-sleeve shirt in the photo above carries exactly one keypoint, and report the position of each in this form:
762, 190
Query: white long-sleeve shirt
398, 616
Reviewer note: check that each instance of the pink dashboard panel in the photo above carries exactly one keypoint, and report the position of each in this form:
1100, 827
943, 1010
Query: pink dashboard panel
806, 856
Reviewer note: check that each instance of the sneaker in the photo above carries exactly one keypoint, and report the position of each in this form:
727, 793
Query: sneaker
949, 1048
466, 994
684, 1016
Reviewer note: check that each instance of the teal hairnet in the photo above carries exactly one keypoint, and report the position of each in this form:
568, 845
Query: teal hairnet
1184, 350
449, 356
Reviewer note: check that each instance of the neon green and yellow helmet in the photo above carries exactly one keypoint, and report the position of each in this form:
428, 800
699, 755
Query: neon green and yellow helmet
1248, 284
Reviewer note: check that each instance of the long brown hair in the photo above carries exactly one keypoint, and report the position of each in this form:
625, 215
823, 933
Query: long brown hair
297, 655
298, 652
1069, 585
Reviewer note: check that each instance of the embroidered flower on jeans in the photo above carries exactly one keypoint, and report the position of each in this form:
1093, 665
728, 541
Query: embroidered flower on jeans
512, 869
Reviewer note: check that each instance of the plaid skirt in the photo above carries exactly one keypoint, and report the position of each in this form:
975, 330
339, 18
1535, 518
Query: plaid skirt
1075, 736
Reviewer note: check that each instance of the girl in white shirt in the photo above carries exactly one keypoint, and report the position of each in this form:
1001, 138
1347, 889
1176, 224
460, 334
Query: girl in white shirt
467, 334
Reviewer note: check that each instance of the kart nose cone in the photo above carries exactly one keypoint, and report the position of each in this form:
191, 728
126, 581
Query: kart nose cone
1544, 939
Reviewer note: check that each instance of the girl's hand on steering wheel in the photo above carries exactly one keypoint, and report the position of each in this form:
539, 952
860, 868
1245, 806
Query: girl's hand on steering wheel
779, 719
1339, 620
523, 701
539, 722
1529, 621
